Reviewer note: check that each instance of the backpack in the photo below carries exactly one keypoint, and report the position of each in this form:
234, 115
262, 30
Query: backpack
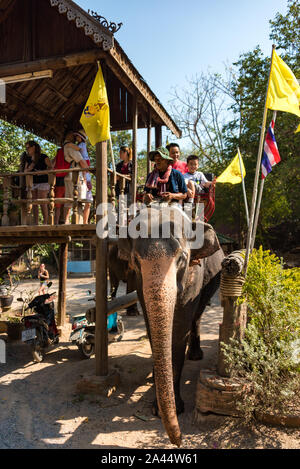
61, 163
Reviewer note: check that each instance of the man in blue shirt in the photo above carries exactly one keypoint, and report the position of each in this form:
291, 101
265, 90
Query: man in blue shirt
164, 182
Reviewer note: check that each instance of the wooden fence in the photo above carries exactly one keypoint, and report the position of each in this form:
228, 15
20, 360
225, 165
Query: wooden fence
16, 194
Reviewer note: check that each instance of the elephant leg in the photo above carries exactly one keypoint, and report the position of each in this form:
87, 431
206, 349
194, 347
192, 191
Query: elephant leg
194, 350
131, 286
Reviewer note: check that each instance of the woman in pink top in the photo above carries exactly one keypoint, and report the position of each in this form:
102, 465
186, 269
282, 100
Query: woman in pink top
174, 153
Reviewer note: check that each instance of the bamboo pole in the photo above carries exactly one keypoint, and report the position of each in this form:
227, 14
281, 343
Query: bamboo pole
244, 189
259, 201
258, 165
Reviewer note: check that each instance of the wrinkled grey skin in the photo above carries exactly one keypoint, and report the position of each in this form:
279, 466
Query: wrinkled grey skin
119, 271
173, 295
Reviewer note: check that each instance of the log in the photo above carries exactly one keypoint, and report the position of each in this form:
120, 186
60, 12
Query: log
53, 63
234, 316
233, 264
115, 305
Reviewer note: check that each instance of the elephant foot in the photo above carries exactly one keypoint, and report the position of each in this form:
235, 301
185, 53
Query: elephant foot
195, 354
132, 312
194, 350
179, 407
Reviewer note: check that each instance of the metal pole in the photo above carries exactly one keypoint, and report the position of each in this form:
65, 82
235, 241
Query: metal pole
258, 164
259, 201
244, 189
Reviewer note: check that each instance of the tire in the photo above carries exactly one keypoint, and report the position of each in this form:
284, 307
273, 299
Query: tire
86, 349
37, 354
121, 329
37, 351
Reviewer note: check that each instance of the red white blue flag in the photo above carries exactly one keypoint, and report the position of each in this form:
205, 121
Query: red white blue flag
271, 154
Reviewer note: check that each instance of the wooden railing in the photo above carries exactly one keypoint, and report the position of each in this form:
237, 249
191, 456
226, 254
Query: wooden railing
13, 194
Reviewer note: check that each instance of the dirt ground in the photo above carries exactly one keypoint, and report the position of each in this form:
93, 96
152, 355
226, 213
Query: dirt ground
40, 408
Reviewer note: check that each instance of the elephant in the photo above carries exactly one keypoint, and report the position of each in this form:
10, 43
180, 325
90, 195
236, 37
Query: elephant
174, 283
119, 270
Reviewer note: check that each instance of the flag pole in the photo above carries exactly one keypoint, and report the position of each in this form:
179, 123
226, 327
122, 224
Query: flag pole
259, 201
258, 165
244, 189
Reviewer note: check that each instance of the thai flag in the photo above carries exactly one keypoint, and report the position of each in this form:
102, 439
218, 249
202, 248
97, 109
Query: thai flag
271, 154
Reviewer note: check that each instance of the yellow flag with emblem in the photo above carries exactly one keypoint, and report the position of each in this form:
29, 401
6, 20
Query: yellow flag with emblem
232, 173
284, 89
95, 117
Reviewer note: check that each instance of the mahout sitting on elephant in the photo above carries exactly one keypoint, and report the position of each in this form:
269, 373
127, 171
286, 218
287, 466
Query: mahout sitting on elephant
175, 277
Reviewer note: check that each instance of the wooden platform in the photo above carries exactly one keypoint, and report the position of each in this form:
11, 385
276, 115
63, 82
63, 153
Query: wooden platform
22, 235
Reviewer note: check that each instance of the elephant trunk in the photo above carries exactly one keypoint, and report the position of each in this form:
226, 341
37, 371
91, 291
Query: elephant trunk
159, 290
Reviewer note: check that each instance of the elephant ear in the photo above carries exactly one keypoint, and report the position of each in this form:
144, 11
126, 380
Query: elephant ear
210, 244
124, 249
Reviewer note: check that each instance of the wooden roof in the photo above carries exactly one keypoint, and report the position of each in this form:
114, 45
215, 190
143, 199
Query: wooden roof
57, 35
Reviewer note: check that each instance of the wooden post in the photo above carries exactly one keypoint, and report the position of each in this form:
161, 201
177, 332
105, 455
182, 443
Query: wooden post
101, 338
148, 144
75, 177
5, 218
29, 184
134, 150
235, 315
158, 136
52, 181
63, 262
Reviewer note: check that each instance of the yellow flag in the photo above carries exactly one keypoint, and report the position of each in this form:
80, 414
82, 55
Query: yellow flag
232, 173
284, 89
95, 117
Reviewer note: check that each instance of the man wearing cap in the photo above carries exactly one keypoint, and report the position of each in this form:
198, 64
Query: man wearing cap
164, 181
174, 153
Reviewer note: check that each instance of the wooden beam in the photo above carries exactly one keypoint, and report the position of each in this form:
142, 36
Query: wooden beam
52, 63
5, 241
158, 136
134, 149
101, 339
122, 61
63, 262
149, 142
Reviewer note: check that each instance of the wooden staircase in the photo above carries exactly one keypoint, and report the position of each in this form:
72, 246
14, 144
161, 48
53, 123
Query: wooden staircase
9, 254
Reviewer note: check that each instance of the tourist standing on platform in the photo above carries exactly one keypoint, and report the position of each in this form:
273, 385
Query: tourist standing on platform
81, 137
37, 161
73, 157
124, 167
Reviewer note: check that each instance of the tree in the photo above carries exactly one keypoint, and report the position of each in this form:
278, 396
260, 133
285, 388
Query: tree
201, 109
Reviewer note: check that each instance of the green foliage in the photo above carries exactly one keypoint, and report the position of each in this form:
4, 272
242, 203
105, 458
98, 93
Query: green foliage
47, 253
12, 145
268, 358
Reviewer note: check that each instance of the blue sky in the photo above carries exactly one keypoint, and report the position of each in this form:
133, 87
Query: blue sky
170, 40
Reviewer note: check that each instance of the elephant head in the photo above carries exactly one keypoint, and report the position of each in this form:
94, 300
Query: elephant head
162, 266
